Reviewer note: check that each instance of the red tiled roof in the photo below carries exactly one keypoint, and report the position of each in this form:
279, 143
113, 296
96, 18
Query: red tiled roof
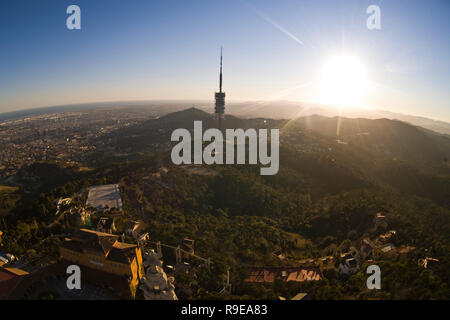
8, 282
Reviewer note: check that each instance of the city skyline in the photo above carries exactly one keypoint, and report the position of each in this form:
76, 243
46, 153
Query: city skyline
274, 51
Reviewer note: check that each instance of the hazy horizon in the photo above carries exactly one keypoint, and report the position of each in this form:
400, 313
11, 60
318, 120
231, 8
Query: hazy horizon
192, 103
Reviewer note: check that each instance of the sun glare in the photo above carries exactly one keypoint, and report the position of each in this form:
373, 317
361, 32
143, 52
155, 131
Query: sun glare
343, 81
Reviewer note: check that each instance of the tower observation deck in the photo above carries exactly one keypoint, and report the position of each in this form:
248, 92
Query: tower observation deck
220, 98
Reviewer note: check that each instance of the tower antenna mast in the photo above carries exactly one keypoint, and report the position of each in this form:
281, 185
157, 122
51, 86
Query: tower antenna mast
220, 85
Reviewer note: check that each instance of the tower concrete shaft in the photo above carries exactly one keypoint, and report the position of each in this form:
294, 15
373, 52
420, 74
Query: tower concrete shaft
220, 98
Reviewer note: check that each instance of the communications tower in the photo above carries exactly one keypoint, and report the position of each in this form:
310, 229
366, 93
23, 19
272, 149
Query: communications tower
220, 98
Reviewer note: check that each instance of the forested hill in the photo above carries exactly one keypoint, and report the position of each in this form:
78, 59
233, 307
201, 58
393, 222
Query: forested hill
391, 138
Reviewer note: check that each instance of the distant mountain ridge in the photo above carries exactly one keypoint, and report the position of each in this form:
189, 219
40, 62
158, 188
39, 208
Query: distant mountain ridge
290, 110
251, 109
381, 139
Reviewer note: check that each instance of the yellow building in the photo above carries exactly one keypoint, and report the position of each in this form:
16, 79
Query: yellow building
103, 252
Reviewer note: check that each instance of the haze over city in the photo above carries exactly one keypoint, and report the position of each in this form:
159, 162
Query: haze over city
308, 51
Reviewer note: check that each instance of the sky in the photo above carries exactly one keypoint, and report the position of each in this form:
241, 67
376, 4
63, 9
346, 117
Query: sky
273, 50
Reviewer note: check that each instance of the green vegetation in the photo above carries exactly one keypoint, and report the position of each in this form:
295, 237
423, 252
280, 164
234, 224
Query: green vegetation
8, 199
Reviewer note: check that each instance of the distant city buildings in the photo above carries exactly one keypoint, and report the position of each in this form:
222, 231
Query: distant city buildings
71, 138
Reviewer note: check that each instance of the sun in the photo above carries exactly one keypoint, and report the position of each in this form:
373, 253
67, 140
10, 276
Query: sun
343, 81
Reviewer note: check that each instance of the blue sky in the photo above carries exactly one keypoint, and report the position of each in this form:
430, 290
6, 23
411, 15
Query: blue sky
142, 49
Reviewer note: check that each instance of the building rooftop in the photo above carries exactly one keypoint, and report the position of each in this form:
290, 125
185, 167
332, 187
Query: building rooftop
104, 197
269, 274
299, 296
387, 247
96, 242
9, 280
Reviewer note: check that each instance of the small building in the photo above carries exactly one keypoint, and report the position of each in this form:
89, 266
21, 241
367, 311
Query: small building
428, 263
380, 221
367, 249
61, 202
106, 225
136, 229
383, 238
387, 247
187, 245
326, 262
348, 265
346, 255
279, 254
7, 257
270, 274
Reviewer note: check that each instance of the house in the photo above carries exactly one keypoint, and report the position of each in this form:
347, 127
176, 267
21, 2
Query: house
326, 262
10, 282
136, 229
380, 221
270, 274
61, 202
348, 264
355, 253
428, 263
387, 247
279, 254
106, 225
383, 238
103, 252
7, 257
187, 245
367, 249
